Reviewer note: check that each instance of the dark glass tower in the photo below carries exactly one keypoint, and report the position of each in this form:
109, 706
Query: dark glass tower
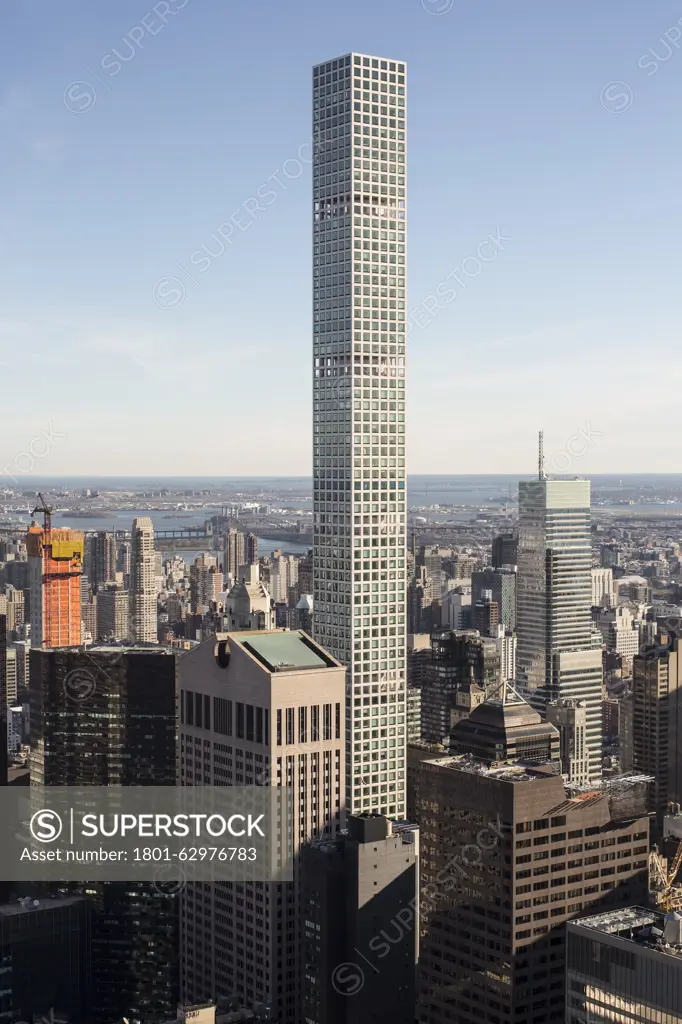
107, 717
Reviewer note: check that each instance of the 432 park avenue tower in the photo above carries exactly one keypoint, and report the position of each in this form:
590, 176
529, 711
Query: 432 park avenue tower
359, 265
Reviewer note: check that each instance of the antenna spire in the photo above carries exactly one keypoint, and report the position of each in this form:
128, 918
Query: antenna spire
541, 456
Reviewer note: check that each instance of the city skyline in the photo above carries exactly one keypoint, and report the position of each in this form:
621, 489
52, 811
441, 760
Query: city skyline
562, 149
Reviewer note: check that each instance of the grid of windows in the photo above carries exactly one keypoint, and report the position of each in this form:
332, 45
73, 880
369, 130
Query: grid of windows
359, 256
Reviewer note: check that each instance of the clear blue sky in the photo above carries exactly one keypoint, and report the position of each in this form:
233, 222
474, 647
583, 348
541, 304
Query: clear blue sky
512, 125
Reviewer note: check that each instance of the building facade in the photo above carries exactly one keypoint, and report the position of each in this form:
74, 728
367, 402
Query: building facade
349, 885
143, 590
570, 718
107, 717
625, 966
501, 582
259, 708
656, 721
45, 959
460, 660
113, 612
508, 857
602, 588
557, 655
359, 548
55, 559
100, 558
505, 550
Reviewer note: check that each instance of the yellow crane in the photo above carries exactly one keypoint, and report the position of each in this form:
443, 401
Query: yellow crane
668, 895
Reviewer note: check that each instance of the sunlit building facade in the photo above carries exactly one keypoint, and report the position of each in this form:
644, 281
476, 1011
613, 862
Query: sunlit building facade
359, 228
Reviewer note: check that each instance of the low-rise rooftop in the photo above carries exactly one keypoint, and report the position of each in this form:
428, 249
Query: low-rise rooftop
641, 926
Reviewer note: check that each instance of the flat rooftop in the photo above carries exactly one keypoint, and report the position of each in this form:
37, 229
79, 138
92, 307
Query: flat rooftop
615, 921
285, 650
640, 926
141, 648
506, 771
29, 906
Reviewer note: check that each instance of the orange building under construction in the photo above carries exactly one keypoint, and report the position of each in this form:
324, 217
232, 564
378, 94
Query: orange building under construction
55, 569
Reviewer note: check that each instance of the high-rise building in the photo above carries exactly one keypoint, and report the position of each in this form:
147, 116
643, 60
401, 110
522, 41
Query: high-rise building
359, 222
204, 580
235, 554
557, 654
611, 556
107, 717
420, 597
45, 959
486, 617
602, 588
626, 966
620, 629
506, 643
359, 907
456, 607
505, 550
459, 660
656, 721
55, 559
283, 574
508, 856
100, 558
250, 549
89, 619
23, 648
570, 718
418, 657
113, 612
259, 708
143, 590
15, 605
414, 714
501, 582
11, 675
4, 695
123, 560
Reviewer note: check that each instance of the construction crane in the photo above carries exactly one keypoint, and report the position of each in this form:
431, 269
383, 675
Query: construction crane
47, 514
668, 895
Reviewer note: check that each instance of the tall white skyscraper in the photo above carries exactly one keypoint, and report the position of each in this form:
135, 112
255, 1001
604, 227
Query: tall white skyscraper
359, 247
558, 655
143, 581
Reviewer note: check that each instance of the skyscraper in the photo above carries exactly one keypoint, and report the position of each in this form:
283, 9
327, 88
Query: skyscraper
45, 959
656, 721
234, 552
359, 222
143, 581
505, 550
113, 615
502, 584
100, 558
557, 654
55, 559
350, 883
508, 856
107, 717
259, 708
